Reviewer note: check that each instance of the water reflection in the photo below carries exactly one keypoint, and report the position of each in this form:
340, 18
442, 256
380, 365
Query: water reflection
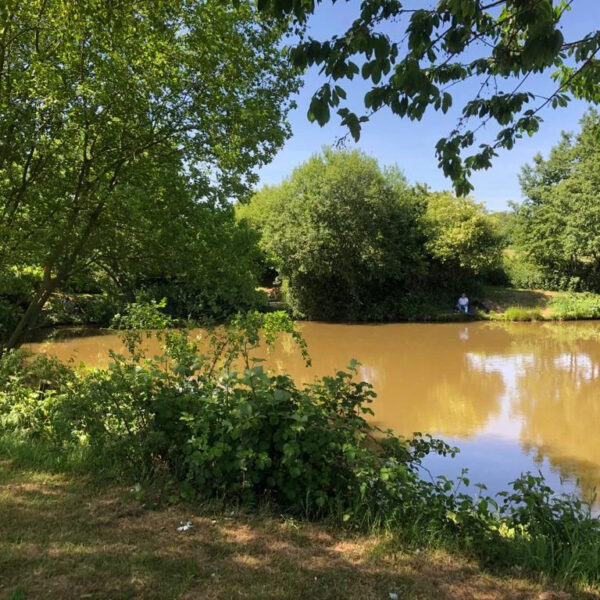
515, 397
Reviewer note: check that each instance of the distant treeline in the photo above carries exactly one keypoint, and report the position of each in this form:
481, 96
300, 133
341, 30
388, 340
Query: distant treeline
344, 238
555, 231
352, 241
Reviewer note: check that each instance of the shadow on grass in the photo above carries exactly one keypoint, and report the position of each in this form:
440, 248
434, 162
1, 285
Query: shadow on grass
67, 537
506, 297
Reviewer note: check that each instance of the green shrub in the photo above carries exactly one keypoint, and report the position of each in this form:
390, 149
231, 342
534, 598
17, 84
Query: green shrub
10, 314
344, 236
573, 306
522, 273
17, 284
558, 532
32, 389
82, 309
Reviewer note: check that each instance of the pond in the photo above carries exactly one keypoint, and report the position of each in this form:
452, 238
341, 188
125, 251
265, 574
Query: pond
514, 397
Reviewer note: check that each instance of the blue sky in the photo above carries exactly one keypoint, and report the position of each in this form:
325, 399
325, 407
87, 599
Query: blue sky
410, 144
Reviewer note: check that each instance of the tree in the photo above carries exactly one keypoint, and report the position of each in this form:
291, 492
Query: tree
344, 235
461, 237
499, 43
168, 244
558, 224
95, 95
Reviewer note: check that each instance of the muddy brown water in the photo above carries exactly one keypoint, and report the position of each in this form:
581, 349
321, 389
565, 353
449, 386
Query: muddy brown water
514, 397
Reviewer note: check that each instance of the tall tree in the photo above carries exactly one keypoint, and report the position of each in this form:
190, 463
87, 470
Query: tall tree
433, 50
461, 237
92, 94
558, 224
167, 239
344, 235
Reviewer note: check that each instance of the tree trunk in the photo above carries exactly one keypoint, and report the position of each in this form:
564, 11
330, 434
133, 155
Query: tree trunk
31, 314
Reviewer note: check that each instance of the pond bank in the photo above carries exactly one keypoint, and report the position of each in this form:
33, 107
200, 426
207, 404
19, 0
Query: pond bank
491, 303
64, 537
396, 498
506, 304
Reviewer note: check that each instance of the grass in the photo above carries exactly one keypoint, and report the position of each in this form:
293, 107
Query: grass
517, 313
542, 305
67, 535
507, 297
576, 306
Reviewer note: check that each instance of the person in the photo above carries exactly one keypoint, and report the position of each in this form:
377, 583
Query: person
463, 304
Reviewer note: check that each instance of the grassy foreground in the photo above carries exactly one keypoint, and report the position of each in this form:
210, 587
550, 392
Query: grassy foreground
66, 536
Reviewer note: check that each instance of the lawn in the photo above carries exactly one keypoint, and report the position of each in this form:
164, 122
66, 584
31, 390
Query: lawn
64, 536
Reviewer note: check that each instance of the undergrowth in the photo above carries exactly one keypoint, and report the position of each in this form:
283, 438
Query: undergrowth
575, 306
517, 313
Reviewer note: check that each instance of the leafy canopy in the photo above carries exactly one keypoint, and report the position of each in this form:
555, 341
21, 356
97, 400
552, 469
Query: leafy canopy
353, 241
558, 224
435, 49
106, 104
460, 234
342, 233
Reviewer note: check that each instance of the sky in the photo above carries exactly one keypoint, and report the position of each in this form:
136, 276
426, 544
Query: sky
411, 144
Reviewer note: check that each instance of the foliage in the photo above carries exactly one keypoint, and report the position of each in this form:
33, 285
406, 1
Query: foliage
116, 117
558, 224
431, 50
521, 272
139, 318
557, 531
460, 235
17, 284
217, 425
573, 306
211, 272
9, 316
518, 313
354, 242
343, 235
79, 309
143, 315
504, 223
29, 395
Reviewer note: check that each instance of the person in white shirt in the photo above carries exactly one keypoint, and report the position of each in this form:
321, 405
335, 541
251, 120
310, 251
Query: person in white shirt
463, 303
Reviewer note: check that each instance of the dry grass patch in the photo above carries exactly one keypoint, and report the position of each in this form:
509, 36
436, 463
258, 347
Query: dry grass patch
69, 538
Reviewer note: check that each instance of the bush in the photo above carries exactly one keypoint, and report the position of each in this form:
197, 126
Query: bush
81, 309
18, 284
523, 274
32, 392
344, 236
573, 306
461, 237
10, 314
